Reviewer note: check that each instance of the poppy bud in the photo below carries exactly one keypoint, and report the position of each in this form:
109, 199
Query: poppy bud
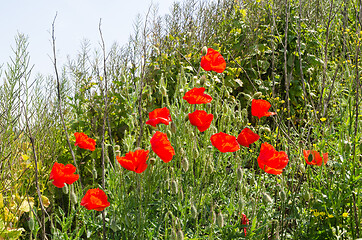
267, 198
301, 144
208, 105
193, 211
182, 151
117, 147
204, 50
240, 174
173, 234
152, 161
210, 168
163, 91
180, 235
174, 188
94, 173
282, 195
31, 224
118, 153
244, 113
244, 189
213, 217
65, 189
202, 80
73, 197
196, 153
185, 164
181, 194
186, 117
225, 109
302, 167
248, 97
173, 127
220, 220
257, 95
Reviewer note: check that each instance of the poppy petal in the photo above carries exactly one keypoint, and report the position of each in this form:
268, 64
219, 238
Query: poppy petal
95, 199
224, 142
201, 119
83, 141
134, 161
61, 174
197, 96
213, 61
158, 116
162, 146
272, 161
247, 137
260, 108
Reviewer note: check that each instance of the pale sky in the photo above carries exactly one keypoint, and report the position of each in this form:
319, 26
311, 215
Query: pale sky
76, 20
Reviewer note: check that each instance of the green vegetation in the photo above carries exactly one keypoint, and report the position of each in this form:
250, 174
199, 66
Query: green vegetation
301, 56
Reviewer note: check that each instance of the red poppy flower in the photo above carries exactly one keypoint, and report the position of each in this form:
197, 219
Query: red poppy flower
134, 161
224, 142
244, 221
83, 141
260, 108
197, 96
201, 119
272, 161
162, 146
213, 61
61, 174
247, 137
159, 115
95, 199
317, 159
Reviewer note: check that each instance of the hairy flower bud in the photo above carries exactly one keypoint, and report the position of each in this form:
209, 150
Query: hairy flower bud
185, 164
180, 235
174, 188
220, 220
204, 50
240, 174
173, 127
193, 211
257, 95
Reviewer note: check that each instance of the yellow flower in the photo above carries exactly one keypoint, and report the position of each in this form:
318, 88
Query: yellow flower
330, 216
323, 119
345, 215
316, 214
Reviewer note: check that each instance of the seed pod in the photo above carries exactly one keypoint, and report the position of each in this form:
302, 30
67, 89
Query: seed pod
185, 164
220, 220
193, 211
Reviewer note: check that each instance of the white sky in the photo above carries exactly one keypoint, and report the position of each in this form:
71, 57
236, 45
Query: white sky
76, 20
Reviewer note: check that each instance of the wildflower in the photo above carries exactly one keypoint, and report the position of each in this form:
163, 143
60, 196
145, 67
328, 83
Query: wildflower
95, 199
314, 158
244, 221
61, 174
345, 214
197, 96
201, 119
260, 108
83, 141
247, 137
213, 61
159, 115
162, 146
134, 161
224, 142
323, 119
272, 161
